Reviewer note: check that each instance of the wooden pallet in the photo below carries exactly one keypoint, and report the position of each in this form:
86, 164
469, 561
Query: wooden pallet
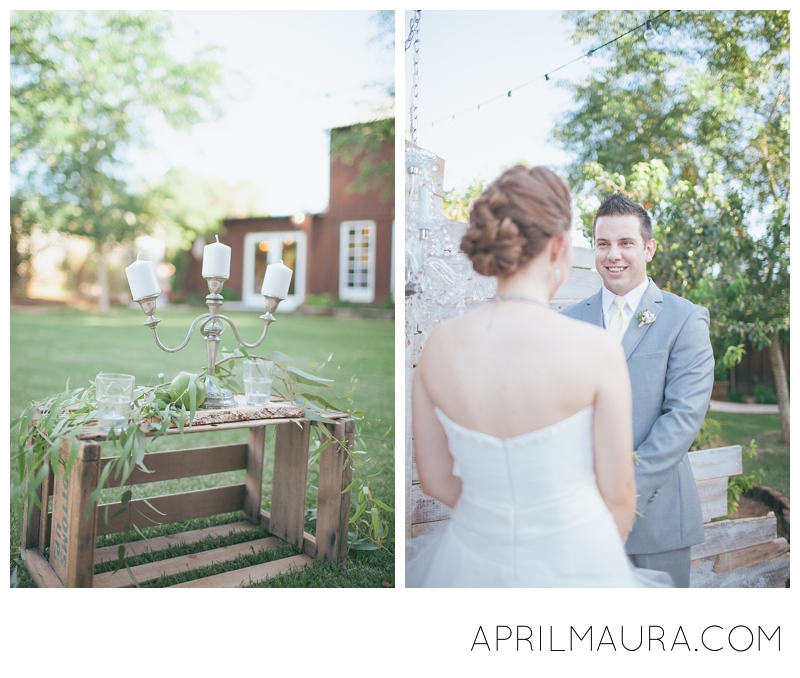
70, 530
742, 553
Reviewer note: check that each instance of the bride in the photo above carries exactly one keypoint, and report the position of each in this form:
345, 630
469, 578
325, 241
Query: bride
522, 416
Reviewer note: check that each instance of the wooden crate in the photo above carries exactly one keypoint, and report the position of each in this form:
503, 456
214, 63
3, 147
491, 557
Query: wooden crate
70, 529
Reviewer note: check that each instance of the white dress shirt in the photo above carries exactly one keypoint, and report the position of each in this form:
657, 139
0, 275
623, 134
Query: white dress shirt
633, 298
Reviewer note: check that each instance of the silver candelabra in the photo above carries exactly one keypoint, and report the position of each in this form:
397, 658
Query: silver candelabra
211, 328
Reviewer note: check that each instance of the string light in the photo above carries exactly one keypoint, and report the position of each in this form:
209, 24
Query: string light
648, 25
649, 31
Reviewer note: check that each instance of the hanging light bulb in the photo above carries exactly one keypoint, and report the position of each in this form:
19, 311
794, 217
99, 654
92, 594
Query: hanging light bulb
649, 31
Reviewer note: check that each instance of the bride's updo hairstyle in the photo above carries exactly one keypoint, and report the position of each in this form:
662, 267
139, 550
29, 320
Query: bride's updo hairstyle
513, 219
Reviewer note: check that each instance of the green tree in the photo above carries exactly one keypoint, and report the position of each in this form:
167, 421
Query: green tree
694, 124
364, 141
82, 87
457, 201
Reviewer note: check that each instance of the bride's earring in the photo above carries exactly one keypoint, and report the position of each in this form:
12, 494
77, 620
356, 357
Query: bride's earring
557, 273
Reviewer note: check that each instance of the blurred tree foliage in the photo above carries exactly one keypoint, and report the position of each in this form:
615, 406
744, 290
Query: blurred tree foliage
457, 201
362, 142
694, 125
82, 87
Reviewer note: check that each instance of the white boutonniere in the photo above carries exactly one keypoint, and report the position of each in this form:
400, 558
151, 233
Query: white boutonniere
645, 318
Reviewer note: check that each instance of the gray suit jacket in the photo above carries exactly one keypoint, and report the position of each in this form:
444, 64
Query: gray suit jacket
671, 367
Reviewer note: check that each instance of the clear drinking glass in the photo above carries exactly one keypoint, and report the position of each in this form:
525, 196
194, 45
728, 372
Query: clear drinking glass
114, 398
258, 381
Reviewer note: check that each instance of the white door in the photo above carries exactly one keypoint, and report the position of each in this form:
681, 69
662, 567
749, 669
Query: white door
271, 247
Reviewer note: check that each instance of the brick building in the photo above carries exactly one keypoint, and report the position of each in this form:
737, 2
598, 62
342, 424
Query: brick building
347, 251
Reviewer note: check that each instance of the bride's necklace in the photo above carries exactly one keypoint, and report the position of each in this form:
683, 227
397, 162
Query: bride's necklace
514, 297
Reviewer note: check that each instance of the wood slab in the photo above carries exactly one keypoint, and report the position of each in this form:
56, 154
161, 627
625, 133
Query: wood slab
717, 462
74, 530
173, 464
766, 574
424, 508
289, 482
333, 503
181, 564
422, 528
213, 418
248, 575
39, 569
174, 507
713, 494
309, 540
135, 548
727, 535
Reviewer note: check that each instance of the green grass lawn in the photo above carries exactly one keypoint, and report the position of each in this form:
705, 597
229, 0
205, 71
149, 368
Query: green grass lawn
52, 346
765, 429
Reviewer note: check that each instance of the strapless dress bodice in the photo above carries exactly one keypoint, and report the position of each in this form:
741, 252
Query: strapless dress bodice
529, 514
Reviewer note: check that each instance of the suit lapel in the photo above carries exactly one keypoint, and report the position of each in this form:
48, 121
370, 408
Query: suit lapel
651, 301
593, 311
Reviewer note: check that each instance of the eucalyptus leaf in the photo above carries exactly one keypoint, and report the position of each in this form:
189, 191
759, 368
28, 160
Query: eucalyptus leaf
385, 507
153, 507
306, 378
130, 574
277, 356
359, 512
313, 416
364, 545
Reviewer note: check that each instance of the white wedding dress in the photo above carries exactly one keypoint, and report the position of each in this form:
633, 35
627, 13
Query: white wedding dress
529, 514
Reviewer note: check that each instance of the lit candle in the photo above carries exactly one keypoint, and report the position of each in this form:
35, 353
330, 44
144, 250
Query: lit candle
276, 281
142, 279
216, 260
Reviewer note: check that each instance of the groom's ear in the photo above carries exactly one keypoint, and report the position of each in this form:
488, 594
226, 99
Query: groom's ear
650, 249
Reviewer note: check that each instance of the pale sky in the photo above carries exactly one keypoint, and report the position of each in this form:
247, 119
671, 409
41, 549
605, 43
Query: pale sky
293, 75
469, 57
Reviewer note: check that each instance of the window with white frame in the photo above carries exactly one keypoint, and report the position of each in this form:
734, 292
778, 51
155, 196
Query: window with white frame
357, 261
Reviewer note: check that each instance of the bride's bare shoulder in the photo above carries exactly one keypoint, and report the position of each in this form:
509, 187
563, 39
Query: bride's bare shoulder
447, 334
452, 327
595, 341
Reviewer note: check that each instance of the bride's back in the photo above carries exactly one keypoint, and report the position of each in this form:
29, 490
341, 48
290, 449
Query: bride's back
511, 367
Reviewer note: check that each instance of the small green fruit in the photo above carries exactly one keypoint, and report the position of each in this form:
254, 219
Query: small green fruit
180, 389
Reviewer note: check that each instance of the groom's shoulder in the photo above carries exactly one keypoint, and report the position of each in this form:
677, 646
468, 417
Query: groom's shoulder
682, 312
680, 304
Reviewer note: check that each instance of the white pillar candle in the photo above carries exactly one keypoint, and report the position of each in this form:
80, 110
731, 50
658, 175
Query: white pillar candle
276, 281
142, 279
424, 202
216, 260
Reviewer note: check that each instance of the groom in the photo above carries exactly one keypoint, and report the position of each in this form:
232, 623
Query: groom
671, 368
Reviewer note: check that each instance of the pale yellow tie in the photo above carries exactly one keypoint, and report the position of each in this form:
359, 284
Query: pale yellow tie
618, 323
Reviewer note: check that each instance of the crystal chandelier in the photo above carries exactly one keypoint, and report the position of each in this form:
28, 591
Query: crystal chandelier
439, 279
